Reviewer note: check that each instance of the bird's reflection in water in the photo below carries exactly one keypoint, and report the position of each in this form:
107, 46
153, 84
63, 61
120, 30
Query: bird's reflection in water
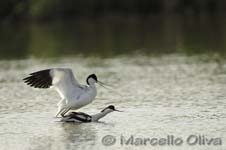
82, 135
78, 134
68, 136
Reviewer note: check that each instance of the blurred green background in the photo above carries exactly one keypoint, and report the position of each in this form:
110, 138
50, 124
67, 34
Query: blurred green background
52, 28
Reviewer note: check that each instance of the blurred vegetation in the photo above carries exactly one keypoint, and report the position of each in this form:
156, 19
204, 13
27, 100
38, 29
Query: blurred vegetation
107, 37
62, 9
52, 28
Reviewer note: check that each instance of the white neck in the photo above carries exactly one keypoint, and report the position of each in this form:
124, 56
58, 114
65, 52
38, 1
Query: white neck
92, 85
100, 115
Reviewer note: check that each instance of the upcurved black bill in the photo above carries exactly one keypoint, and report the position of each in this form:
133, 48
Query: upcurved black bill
118, 110
104, 85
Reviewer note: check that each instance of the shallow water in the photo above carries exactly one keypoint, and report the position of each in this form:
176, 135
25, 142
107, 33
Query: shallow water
171, 95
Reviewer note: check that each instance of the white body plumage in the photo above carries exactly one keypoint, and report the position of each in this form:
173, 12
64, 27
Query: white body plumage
73, 94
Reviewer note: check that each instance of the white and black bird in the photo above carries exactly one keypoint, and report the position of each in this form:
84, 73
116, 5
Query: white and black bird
80, 117
73, 94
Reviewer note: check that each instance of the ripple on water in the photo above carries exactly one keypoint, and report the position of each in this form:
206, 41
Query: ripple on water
159, 96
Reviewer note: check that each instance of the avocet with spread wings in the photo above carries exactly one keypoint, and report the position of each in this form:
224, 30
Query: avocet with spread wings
73, 94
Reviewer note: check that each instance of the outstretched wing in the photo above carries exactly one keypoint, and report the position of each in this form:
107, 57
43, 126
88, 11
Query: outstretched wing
40, 79
61, 78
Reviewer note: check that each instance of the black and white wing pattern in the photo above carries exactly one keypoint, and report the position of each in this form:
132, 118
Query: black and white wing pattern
77, 117
62, 79
40, 79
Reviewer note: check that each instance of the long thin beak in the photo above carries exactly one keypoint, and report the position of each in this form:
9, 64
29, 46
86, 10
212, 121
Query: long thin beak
104, 85
118, 110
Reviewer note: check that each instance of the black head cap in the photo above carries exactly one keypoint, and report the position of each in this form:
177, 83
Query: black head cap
91, 76
112, 107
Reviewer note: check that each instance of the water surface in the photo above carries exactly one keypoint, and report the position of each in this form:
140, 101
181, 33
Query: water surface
160, 95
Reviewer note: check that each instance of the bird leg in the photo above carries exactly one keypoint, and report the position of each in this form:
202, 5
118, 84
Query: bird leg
60, 111
64, 112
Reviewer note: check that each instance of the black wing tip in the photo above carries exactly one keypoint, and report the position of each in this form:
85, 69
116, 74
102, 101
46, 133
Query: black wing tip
39, 79
39, 72
26, 79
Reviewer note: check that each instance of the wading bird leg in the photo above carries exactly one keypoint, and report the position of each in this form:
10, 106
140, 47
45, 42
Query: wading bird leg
64, 112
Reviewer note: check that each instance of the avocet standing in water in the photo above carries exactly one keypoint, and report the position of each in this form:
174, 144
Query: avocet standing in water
73, 94
80, 117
